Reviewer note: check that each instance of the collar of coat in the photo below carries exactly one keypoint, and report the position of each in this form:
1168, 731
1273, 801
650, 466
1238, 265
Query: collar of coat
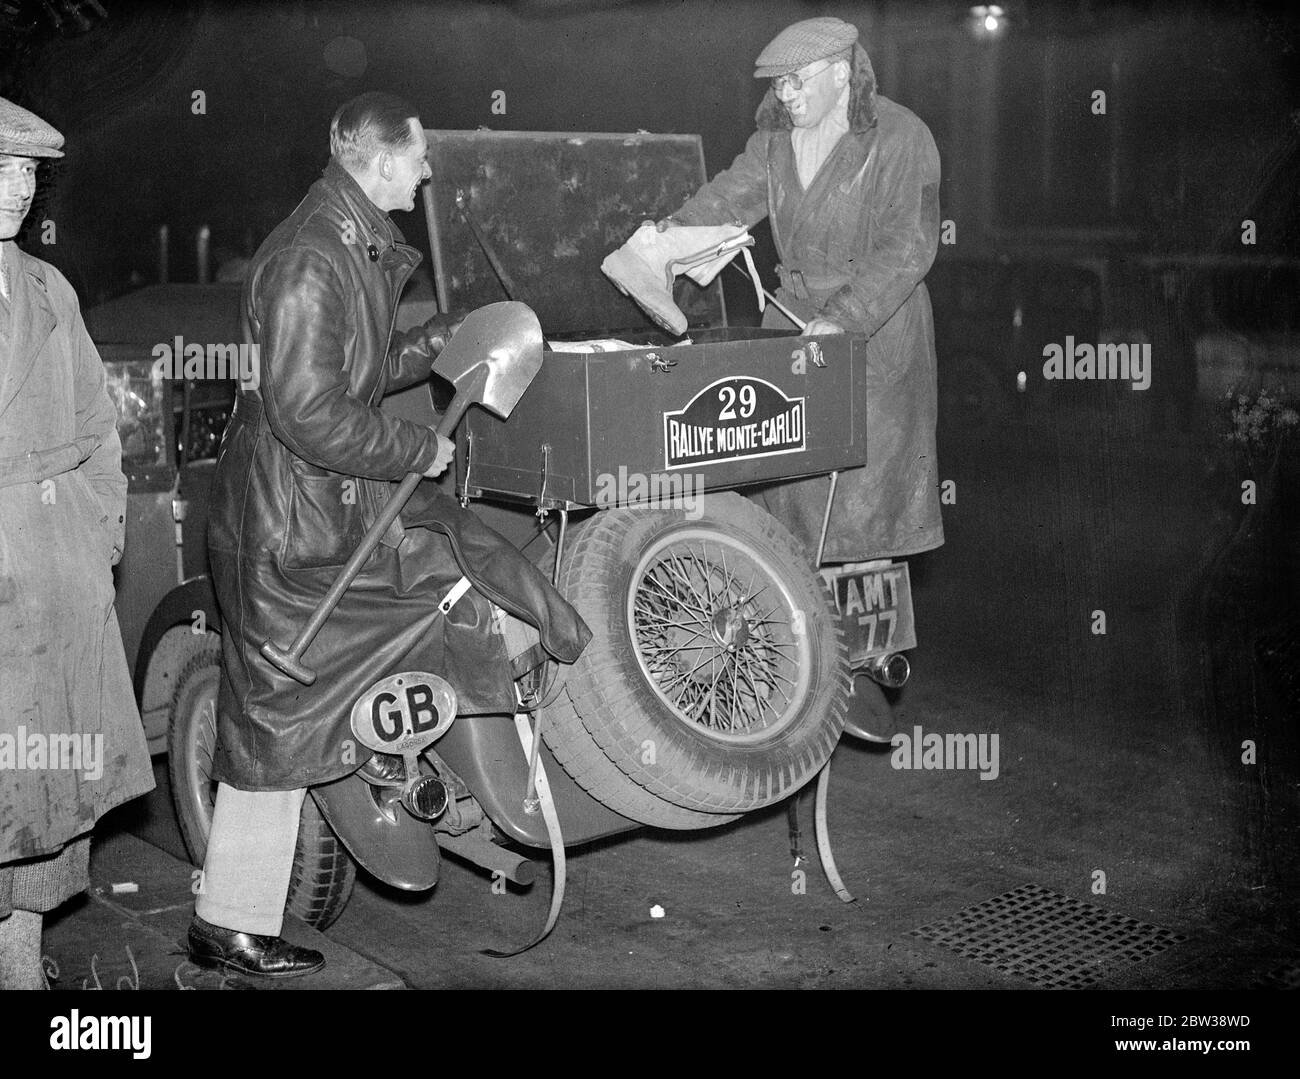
19, 261
375, 224
771, 115
32, 319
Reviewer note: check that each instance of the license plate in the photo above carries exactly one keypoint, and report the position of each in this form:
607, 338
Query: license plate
404, 713
875, 609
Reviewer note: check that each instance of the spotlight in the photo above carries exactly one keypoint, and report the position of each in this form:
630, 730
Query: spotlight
987, 20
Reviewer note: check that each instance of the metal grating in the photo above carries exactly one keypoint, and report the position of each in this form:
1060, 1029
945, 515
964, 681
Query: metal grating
1284, 977
1049, 939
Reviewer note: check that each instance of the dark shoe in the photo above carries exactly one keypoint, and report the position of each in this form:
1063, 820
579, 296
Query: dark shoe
266, 957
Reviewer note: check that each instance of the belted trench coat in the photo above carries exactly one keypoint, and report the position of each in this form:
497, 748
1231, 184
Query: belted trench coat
305, 465
71, 743
854, 247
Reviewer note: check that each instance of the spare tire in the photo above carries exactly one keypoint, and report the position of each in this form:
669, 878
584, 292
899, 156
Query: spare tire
716, 681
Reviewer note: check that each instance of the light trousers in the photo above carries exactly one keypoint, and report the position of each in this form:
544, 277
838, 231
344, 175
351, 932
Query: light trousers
250, 859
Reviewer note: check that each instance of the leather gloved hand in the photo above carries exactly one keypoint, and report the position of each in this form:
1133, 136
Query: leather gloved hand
439, 330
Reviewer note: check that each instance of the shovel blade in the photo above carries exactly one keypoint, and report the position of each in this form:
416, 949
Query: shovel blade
497, 348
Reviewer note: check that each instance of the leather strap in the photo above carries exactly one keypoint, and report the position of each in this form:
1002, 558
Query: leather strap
807, 286
530, 740
529, 660
454, 594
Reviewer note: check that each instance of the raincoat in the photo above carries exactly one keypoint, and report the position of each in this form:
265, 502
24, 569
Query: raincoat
71, 743
854, 247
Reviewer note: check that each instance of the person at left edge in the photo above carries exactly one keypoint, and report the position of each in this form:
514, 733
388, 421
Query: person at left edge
71, 742
305, 465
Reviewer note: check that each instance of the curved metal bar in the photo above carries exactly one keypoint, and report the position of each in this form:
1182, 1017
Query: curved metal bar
824, 837
530, 741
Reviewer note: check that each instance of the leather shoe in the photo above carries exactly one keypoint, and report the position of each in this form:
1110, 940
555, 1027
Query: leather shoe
267, 957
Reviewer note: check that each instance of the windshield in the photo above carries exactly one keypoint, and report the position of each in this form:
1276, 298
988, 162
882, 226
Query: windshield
138, 396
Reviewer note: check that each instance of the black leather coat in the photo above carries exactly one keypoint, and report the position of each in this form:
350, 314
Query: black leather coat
305, 465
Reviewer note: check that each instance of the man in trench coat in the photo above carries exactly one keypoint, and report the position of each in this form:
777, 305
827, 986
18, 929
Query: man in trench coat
850, 183
305, 465
71, 743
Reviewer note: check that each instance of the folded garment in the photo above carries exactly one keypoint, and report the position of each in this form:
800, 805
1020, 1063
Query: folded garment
644, 267
689, 246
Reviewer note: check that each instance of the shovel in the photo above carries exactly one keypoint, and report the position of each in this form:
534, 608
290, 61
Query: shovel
491, 360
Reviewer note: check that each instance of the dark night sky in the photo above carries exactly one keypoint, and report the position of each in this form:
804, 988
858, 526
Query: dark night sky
1209, 93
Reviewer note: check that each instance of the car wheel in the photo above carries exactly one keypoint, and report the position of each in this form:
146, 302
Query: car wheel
323, 872
716, 680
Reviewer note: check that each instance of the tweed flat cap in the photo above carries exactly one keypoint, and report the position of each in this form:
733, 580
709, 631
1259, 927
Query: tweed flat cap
24, 134
802, 43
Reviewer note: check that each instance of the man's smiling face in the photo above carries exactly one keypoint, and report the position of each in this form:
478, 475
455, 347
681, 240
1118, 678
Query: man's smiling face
822, 85
404, 171
17, 187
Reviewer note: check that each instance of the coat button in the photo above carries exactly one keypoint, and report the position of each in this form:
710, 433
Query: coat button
373, 252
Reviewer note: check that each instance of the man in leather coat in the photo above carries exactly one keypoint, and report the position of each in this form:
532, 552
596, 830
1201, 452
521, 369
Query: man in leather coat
305, 465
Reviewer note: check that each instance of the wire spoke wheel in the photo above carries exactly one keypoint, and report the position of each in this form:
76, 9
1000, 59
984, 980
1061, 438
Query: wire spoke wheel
716, 680
719, 636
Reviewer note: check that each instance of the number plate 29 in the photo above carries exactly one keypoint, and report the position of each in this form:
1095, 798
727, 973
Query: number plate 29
734, 419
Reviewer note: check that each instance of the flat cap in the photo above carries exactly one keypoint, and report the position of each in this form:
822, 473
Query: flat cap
802, 43
24, 134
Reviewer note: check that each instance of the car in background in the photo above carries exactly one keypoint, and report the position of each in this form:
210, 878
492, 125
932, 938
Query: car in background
1243, 319
1216, 324
171, 430
995, 310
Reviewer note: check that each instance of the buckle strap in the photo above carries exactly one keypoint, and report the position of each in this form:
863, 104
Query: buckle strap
37, 465
805, 287
793, 281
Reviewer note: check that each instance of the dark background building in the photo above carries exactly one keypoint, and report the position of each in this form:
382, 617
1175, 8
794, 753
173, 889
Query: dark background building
1199, 130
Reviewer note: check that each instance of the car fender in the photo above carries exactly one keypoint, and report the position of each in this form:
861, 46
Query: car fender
184, 622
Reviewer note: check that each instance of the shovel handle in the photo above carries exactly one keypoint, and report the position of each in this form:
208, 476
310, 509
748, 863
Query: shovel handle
800, 323
290, 661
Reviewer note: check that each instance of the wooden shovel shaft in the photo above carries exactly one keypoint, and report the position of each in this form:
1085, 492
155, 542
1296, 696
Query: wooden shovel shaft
800, 323
290, 662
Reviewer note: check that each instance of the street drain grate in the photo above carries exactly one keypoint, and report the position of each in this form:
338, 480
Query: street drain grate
1049, 939
1286, 977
